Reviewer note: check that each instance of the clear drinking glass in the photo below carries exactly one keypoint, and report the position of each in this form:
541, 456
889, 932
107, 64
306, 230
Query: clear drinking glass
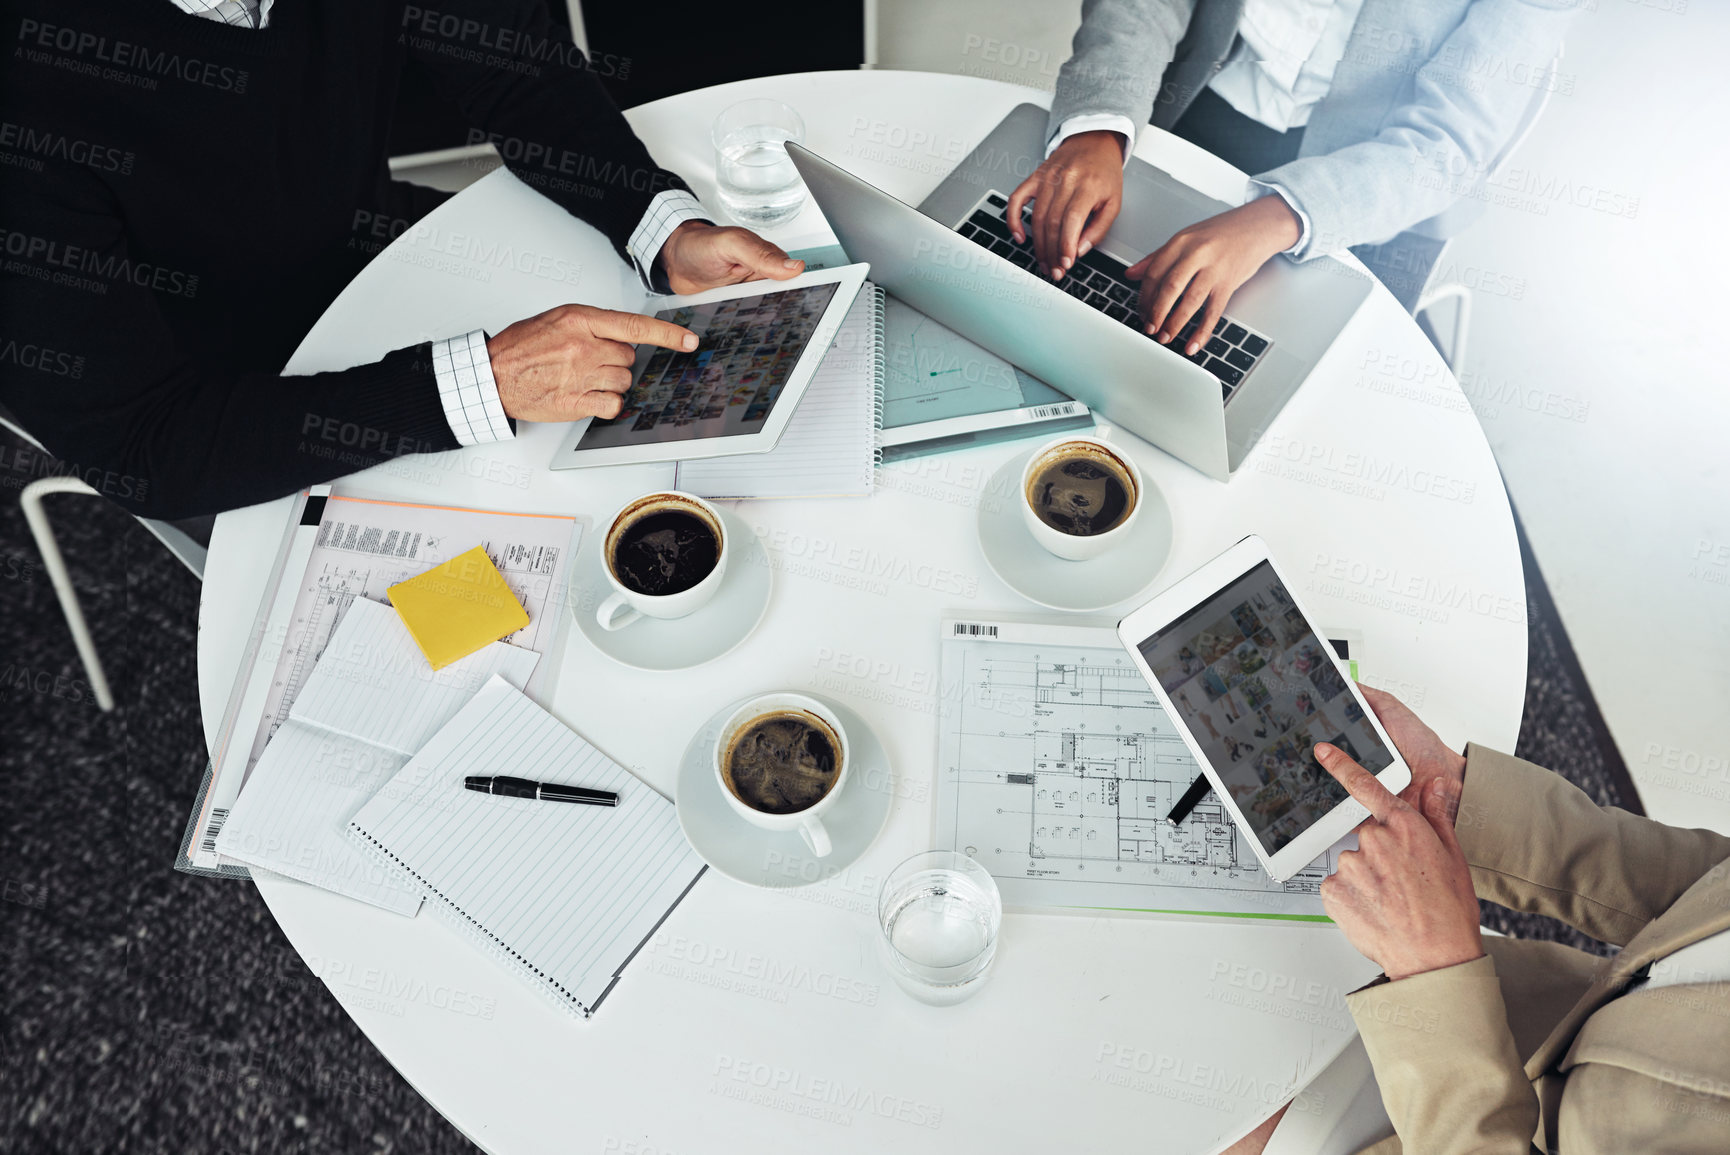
758, 183
940, 913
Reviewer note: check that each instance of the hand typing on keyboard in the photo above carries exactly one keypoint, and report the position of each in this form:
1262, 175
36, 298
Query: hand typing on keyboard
1195, 273
1076, 195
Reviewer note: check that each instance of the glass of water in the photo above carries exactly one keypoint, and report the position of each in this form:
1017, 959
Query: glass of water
940, 913
758, 183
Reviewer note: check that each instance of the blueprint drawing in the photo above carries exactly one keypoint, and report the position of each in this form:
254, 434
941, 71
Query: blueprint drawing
1056, 770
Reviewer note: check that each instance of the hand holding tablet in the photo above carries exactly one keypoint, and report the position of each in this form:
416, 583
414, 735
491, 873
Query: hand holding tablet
758, 346
1425, 754
1253, 688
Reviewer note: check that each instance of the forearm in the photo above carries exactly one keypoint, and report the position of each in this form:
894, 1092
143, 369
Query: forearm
203, 442
1536, 843
1444, 1058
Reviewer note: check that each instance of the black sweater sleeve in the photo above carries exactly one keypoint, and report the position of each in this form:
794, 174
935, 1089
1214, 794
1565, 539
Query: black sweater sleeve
91, 367
526, 88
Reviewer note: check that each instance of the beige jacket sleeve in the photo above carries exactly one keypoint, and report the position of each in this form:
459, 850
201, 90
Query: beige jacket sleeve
1444, 1057
1450, 1075
1537, 843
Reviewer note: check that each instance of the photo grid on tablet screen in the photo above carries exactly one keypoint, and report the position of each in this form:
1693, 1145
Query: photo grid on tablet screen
746, 350
1257, 691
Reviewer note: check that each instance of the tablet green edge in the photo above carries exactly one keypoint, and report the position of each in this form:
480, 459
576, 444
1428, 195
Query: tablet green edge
1209, 913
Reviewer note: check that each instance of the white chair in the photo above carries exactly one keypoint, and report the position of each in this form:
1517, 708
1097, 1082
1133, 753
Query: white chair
454, 169
37, 517
190, 553
1434, 294
1021, 41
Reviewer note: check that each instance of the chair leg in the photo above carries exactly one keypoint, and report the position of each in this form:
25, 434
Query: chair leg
37, 517
1455, 355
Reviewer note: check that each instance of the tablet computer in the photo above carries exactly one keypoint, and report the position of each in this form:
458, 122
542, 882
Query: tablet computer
758, 345
1252, 686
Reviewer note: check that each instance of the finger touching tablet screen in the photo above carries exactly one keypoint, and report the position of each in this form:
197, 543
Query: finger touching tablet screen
758, 346
1239, 666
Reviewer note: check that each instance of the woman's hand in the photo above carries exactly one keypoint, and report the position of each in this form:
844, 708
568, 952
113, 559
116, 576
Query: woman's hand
1404, 898
1427, 755
1195, 273
1076, 194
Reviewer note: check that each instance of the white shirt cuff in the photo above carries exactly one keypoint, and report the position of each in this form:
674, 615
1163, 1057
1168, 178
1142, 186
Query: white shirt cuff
1259, 189
665, 213
1096, 122
468, 391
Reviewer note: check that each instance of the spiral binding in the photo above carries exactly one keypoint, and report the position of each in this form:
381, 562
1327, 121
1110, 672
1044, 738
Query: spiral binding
478, 935
879, 370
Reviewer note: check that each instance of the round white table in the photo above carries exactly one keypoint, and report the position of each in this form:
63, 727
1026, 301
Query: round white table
759, 1020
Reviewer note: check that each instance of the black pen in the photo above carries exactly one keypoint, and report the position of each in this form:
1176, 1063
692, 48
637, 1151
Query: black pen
1196, 792
544, 791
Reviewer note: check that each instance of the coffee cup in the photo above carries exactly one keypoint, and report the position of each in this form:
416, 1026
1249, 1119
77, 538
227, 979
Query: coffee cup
781, 760
1080, 496
664, 555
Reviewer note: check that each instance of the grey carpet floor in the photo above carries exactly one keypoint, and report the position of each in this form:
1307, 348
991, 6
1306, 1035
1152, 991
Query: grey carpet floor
143, 1011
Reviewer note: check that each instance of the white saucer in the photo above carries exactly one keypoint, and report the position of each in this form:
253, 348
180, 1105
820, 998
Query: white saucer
1040, 576
702, 636
780, 859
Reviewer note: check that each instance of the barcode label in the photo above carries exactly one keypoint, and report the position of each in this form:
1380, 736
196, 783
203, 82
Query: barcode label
1061, 409
359, 538
974, 630
217, 818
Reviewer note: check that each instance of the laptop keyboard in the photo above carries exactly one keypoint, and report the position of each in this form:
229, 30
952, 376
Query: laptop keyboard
1229, 353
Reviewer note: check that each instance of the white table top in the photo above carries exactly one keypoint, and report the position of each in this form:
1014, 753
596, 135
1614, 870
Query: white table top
761, 1020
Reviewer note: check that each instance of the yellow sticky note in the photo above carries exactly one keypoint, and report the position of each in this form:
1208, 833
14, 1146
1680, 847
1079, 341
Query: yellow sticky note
456, 608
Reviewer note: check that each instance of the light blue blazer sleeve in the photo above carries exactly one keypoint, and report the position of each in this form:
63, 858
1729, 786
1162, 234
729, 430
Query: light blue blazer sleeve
1430, 150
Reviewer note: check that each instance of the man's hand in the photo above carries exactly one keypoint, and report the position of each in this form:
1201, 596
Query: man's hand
1076, 194
1404, 898
575, 361
700, 256
1427, 755
1196, 272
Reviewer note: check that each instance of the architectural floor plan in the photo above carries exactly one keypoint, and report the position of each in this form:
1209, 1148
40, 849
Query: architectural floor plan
1057, 767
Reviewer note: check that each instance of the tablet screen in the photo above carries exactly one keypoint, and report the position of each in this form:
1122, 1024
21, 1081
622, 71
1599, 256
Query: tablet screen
1257, 691
746, 349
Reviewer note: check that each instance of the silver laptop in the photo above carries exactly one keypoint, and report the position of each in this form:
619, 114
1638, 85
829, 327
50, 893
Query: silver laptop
954, 259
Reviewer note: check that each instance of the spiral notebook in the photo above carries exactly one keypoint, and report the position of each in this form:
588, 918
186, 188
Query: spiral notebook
562, 895
833, 443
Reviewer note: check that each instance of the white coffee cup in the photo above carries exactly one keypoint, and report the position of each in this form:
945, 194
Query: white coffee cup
625, 605
809, 821
1077, 547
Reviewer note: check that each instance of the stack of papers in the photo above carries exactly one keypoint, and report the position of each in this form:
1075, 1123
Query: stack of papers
370, 704
361, 792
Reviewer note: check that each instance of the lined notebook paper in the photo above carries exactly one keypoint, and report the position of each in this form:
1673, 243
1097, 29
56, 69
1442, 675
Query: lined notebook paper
830, 447
562, 895
370, 703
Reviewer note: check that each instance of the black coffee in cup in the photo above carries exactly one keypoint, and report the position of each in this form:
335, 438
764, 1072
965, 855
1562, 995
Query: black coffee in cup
782, 762
663, 544
1080, 489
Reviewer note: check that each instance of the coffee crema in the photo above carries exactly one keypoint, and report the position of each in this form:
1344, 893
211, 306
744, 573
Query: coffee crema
666, 546
782, 762
1080, 489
